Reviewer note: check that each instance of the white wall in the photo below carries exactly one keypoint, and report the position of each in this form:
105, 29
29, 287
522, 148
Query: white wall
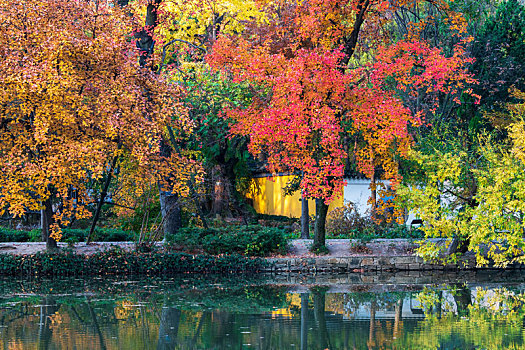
358, 192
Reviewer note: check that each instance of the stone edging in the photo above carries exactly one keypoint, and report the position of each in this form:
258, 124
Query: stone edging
366, 263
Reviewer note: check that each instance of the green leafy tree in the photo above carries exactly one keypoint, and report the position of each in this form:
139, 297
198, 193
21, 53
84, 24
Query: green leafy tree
481, 204
225, 157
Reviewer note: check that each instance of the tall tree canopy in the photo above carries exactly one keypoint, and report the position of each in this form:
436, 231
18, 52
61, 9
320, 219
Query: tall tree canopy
72, 99
455, 185
182, 34
326, 72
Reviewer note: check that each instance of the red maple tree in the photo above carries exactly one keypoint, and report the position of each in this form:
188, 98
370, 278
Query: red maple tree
325, 69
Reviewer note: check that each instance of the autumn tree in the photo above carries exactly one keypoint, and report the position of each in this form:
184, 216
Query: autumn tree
324, 71
452, 149
174, 41
489, 221
72, 100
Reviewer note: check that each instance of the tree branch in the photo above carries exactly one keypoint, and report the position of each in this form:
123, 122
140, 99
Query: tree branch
457, 195
119, 205
351, 42
169, 43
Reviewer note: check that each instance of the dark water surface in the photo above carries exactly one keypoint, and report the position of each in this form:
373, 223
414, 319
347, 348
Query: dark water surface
468, 311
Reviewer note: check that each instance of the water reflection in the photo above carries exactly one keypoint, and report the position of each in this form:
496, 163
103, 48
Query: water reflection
185, 313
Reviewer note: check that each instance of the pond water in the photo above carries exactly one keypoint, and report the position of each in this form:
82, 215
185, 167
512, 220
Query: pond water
330, 312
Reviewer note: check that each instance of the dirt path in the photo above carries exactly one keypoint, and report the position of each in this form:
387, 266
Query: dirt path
299, 247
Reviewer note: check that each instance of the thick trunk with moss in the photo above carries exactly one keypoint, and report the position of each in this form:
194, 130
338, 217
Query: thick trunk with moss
171, 212
226, 200
321, 210
221, 192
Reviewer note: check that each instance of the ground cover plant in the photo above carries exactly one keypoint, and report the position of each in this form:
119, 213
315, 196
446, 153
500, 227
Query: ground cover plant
120, 262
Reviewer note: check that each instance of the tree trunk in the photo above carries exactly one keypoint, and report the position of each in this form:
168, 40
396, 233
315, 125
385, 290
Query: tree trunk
304, 321
103, 195
197, 333
227, 202
305, 218
439, 305
171, 212
319, 308
373, 197
220, 193
321, 210
47, 221
96, 326
168, 328
45, 332
398, 318
457, 246
463, 298
169, 202
371, 337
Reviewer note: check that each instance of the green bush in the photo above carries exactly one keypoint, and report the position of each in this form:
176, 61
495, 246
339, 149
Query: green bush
250, 240
10, 235
68, 235
277, 218
120, 262
279, 221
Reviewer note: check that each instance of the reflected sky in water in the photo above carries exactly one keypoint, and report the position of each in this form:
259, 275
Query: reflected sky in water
235, 313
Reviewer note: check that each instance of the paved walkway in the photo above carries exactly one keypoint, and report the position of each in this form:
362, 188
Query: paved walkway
299, 247
80, 248
348, 247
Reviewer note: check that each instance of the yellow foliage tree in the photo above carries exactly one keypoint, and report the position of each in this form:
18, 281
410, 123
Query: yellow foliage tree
72, 101
490, 222
185, 30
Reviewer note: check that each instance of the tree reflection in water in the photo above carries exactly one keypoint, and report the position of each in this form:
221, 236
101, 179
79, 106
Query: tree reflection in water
265, 317
48, 308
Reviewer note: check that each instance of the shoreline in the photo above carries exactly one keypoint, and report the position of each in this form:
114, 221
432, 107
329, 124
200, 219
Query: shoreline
345, 256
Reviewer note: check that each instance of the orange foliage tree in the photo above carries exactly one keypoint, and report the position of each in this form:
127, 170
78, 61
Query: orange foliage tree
326, 71
73, 101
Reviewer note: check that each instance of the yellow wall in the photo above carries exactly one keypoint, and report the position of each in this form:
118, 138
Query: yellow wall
268, 198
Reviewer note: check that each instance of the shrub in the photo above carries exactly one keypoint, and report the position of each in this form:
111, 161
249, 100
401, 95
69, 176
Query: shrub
283, 222
120, 262
250, 240
346, 222
10, 235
